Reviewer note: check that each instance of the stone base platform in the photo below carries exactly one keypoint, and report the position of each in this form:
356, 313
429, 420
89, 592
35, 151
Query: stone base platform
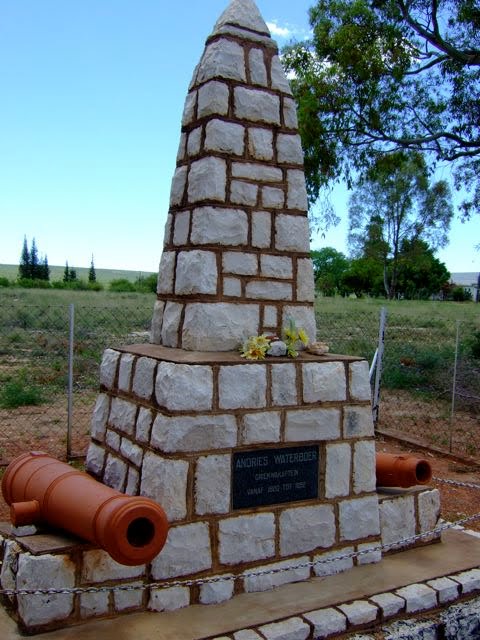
439, 583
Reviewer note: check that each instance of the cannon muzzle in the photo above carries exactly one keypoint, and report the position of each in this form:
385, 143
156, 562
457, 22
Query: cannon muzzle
43, 490
401, 471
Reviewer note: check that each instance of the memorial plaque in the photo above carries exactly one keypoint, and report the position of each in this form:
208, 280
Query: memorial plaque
273, 476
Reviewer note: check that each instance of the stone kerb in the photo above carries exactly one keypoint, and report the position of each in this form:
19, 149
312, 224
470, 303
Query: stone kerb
237, 238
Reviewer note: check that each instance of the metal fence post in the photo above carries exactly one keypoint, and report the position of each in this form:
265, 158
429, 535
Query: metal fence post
454, 385
379, 362
71, 324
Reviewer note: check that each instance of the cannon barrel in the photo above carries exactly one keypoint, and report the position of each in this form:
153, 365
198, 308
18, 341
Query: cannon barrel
43, 490
401, 471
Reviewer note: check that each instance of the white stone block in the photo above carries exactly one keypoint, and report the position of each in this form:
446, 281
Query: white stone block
289, 629
213, 99
260, 143
359, 518
257, 172
125, 371
166, 272
246, 538
167, 233
123, 600
244, 15
418, 597
312, 424
297, 192
99, 417
324, 382
240, 263
364, 478
122, 415
177, 190
337, 474
169, 599
242, 386
243, 193
216, 592
447, 589
292, 233
115, 473
133, 482
244, 634
273, 198
388, 603
165, 481
44, 572
326, 622
470, 580
196, 273
228, 227
143, 378
270, 316
428, 509
333, 562
258, 70
225, 137
187, 550
268, 290
306, 528
279, 79
95, 459
9, 566
232, 287
359, 612
189, 108
131, 452
219, 327
397, 518
157, 320
288, 572
207, 180
182, 147
194, 144
93, 604
276, 266
304, 317
143, 425
260, 427
357, 422
256, 105
212, 484
359, 381
108, 368
305, 280
184, 387
370, 553
194, 433
113, 440
290, 113
289, 148
284, 385
181, 228
222, 59
171, 321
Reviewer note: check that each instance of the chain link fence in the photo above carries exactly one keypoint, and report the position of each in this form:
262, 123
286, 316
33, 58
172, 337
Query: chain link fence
430, 381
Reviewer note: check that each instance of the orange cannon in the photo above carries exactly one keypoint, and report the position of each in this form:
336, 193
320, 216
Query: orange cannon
401, 471
43, 490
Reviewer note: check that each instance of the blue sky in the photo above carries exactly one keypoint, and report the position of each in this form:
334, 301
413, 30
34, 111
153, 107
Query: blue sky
92, 97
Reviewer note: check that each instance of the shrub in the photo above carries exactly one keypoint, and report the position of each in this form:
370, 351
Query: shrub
459, 294
18, 392
35, 283
4, 282
122, 285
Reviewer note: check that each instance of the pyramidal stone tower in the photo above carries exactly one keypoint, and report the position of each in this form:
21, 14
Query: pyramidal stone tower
236, 255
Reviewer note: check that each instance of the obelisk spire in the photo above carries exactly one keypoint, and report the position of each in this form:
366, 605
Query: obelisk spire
236, 249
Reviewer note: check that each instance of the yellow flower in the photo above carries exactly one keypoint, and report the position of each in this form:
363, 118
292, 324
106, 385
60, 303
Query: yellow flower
255, 348
303, 336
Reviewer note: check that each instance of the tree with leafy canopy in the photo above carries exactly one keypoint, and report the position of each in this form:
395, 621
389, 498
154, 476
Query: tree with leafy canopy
329, 265
382, 75
420, 273
393, 203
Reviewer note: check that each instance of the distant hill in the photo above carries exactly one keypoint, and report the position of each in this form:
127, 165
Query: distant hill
104, 276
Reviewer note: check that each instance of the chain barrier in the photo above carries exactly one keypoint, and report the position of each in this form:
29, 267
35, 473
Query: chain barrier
264, 572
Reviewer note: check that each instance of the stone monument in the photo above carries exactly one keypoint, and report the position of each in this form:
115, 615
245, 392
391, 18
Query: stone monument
266, 464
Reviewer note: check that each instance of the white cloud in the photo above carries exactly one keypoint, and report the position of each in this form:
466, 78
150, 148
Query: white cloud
277, 30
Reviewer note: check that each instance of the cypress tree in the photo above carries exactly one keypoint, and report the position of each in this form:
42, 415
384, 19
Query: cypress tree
24, 266
92, 276
66, 273
35, 269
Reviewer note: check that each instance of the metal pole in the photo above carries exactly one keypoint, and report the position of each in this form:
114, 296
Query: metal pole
379, 363
454, 384
70, 380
